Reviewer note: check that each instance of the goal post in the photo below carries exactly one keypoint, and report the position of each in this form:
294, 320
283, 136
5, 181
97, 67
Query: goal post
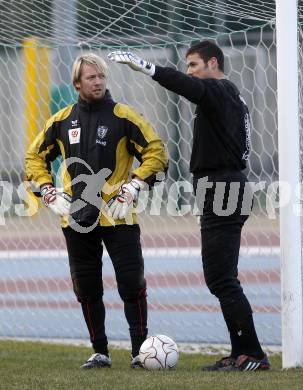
289, 173
260, 45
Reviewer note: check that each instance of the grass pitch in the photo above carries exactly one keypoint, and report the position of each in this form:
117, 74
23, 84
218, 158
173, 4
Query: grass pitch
40, 366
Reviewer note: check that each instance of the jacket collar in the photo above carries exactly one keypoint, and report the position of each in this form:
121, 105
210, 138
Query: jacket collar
95, 105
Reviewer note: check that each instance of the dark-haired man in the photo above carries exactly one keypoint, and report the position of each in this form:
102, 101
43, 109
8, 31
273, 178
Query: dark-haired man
220, 150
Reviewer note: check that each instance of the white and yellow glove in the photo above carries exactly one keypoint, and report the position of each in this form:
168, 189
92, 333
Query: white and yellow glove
120, 205
59, 202
133, 61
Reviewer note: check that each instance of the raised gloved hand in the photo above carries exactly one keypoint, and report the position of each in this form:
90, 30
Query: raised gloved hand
119, 206
59, 202
132, 60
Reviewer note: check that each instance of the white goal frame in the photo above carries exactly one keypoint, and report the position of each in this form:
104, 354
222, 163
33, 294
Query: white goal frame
289, 172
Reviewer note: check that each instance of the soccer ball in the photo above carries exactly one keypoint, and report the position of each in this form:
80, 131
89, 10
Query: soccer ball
159, 352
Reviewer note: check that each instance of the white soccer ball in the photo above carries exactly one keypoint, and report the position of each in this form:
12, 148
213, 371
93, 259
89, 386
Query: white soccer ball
159, 352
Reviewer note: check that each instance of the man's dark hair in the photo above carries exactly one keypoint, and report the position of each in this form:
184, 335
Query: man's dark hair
207, 50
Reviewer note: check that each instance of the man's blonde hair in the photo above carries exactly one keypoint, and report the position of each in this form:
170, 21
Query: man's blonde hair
88, 59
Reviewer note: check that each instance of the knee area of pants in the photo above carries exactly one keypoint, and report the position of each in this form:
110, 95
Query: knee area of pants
132, 295
132, 283
86, 292
88, 298
214, 290
220, 285
218, 290
212, 284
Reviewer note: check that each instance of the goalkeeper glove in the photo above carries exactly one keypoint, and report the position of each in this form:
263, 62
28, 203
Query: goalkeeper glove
119, 206
133, 61
59, 202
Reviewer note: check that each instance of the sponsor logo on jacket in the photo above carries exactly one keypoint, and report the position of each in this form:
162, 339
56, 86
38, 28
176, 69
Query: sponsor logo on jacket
74, 135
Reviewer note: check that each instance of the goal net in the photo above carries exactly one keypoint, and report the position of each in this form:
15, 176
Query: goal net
37, 48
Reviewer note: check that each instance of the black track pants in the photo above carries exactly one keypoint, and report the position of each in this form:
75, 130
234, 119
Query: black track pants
85, 260
221, 236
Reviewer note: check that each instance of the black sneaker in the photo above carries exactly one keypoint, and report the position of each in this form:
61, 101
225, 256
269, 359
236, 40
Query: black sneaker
249, 363
97, 360
221, 365
136, 362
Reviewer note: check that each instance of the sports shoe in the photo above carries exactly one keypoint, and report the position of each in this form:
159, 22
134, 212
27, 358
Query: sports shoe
136, 362
249, 363
97, 360
221, 365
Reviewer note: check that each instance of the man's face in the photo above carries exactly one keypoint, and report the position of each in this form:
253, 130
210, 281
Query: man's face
198, 68
92, 84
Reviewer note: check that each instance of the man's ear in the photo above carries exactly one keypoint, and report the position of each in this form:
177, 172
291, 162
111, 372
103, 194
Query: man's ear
213, 63
77, 85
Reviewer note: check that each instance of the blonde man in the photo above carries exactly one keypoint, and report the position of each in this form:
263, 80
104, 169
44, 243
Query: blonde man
98, 140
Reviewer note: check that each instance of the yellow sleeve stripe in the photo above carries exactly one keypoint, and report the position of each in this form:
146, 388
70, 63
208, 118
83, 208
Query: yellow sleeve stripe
35, 162
65, 176
138, 147
154, 159
124, 111
58, 117
153, 155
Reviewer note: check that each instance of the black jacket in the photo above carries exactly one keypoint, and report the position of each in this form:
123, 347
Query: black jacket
221, 136
104, 135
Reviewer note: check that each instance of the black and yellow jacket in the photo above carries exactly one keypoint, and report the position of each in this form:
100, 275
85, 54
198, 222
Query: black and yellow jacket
92, 138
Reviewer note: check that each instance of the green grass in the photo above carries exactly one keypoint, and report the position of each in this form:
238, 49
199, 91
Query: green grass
33, 365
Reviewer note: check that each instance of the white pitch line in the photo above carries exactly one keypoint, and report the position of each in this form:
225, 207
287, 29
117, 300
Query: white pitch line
148, 252
192, 348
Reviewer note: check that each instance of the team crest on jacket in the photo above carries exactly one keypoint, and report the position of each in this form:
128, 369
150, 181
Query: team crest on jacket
101, 133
